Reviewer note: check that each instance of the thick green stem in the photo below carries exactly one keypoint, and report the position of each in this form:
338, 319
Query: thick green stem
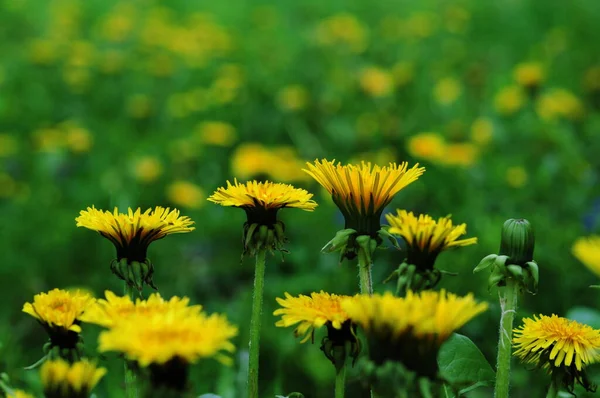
508, 306
340, 382
257, 303
552, 390
364, 274
131, 387
339, 358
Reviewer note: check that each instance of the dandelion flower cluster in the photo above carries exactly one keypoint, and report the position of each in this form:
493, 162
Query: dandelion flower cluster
63, 380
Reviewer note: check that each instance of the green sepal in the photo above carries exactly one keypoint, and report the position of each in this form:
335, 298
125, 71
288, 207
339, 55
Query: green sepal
486, 262
534, 271
515, 271
385, 235
339, 241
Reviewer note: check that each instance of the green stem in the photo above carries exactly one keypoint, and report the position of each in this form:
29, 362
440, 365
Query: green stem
508, 306
552, 390
340, 382
364, 273
257, 303
131, 388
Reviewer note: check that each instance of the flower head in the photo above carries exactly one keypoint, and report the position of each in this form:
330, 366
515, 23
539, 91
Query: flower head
59, 311
411, 329
133, 232
587, 250
18, 394
63, 380
426, 237
562, 346
115, 309
261, 201
361, 192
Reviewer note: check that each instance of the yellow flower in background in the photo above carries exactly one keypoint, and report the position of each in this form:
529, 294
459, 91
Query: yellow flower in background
509, 100
147, 169
558, 103
311, 312
43, 51
563, 347
249, 160
78, 139
460, 154
115, 309
516, 176
117, 25
48, 140
292, 98
591, 79
139, 106
403, 73
587, 250
343, 30
376, 81
421, 25
281, 163
8, 145
186, 194
132, 232
529, 74
263, 195
216, 133
482, 131
425, 237
428, 146
161, 337
361, 192
59, 310
446, 91
381, 156
18, 394
81, 53
61, 379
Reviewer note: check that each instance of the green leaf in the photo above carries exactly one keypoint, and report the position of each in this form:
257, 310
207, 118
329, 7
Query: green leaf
588, 316
486, 262
463, 365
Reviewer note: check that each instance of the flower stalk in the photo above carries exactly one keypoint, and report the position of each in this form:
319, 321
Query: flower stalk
553, 389
364, 274
255, 321
339, 356
131, 387
508, 306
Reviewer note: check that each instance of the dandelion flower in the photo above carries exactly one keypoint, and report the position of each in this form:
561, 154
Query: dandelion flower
587, 250
63, 380
18, 394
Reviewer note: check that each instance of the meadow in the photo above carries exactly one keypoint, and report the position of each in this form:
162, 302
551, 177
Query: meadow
143, 103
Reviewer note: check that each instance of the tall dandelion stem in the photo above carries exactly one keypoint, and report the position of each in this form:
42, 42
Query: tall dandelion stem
364, 273
553, 389
257, 303
508, 306
131, 390
340, 382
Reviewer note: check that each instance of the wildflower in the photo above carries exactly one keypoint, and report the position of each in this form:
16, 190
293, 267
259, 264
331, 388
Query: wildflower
516, 176
168, 342
77, 138
403, 73
261, 201
361, 193
411, 329
561, 346
147, 169
281, 163
186, 194
447, 91
587, 250
131, 235
114, 309
63, 380
428, 146
460, 154
18, 394
216, 133
59, 312
292, 98
529, 75
343, 30
317, 310
559, 103
376, 82
482, 131
509, 100
425, 239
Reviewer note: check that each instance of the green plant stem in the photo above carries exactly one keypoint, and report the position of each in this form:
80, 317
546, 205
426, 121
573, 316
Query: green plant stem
364, 273
340, 382
131, 387
552, 390
257, 303
508, 306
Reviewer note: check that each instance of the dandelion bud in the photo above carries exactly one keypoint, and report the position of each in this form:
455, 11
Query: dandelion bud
517, 241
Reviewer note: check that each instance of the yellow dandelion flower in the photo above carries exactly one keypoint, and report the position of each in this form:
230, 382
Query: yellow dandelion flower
411, 329
516, 176
376, 82
311, 312
114, 309
482, 131
146, 169
292, 98
61, 379
19, 394
460, 154
529, 74
59, 311
559, 345
343, 30
559, 103
361, 192
133, 232
509, 100
186, 194
587, 250
158, 338
428, 146
216, 133
425, 237
447, 91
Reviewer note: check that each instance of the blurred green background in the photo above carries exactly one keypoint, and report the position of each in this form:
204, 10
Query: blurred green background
145, 103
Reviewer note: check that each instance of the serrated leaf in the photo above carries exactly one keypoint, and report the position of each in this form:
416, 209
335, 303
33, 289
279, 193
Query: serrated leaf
463, 365
588, 316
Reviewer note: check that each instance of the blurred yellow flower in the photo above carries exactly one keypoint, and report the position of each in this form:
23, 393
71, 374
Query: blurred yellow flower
429, 146
147, 169
292, 98
8, 145
58, 310
18, 394
376, 81
516, 176
118, 23
43, 51
63, 379
403, 73
186, 194
216, 133
447, 90
139, 106
559, 103
530, 74
81, 54
48, 139
509, 100
280, 163
78, 139
591, 79
248, 160
8, 186
482, 131
421, 25
587, 250
343, 30
463, 154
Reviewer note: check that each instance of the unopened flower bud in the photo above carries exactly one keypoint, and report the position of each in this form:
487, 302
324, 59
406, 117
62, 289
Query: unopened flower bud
517, 241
